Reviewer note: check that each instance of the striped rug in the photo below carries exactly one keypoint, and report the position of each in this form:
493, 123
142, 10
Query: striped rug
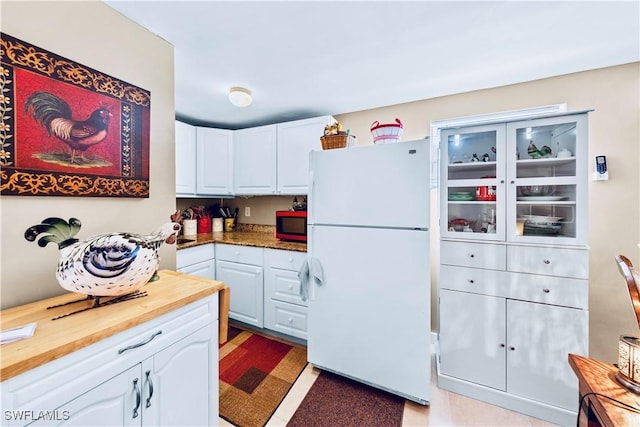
255, 375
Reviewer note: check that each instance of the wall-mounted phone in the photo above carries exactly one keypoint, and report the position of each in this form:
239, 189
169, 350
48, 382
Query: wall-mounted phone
601, 172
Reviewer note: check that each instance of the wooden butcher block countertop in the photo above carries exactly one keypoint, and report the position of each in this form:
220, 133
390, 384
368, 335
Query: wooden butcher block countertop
56, 338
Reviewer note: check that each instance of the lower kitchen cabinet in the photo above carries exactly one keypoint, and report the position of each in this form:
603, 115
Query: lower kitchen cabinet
198, 261
162, 372
284, 309
240, 268
515, 346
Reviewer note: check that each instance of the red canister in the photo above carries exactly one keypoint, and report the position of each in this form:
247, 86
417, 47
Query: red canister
486, 193
204, 225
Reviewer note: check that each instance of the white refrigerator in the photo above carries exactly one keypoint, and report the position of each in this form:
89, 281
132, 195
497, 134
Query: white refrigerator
368, 242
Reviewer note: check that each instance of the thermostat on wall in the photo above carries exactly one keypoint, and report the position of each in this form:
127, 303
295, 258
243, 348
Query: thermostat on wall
601, 173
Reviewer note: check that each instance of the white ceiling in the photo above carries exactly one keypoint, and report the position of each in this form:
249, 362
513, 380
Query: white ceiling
303, 59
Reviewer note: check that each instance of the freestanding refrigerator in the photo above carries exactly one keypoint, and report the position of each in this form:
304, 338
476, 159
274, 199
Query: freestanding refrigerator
368, 240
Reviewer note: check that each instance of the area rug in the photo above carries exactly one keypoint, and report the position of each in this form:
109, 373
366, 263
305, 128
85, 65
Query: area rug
337, 401
255, 375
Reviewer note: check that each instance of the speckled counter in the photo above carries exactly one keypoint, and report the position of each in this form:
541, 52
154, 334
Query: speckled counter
248, 235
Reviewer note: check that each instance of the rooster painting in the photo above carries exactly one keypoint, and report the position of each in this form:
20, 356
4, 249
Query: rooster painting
106, 265
54, 114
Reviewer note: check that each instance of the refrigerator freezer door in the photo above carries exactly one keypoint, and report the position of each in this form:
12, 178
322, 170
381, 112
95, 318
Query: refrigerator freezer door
370, 318
355, 186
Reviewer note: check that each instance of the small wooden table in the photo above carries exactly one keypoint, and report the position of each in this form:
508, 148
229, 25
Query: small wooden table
599, 377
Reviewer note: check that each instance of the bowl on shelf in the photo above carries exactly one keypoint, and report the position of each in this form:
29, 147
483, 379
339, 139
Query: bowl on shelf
537, 190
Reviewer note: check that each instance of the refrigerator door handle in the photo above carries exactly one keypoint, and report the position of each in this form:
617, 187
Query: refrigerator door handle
310, 217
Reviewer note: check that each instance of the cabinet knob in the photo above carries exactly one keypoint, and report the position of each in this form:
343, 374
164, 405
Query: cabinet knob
471, 281
546, 291
237, 252
502, 345
472, 256
290, 320
513, 182
290, 259
502, 181
512, 348
546, 261
290, 286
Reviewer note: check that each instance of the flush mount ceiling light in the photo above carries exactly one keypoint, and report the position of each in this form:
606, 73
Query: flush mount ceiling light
240, 97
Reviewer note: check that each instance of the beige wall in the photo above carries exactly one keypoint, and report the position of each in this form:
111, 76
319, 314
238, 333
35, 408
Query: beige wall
614, 205
94, 35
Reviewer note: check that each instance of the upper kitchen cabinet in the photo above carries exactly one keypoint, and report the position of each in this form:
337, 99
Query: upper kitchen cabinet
255, 160
185, 159
214, 162
295, 140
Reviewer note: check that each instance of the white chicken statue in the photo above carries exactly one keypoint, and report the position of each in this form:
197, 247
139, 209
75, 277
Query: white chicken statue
106, 265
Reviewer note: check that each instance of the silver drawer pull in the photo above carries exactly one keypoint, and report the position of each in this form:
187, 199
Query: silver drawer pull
546, 261
140, 344
546, 291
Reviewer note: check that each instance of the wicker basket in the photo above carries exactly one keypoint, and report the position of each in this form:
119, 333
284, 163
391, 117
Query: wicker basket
330, 142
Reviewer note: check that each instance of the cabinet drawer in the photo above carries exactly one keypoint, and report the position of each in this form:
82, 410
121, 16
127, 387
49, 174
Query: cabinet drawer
196, 254
548, 261
282, 285
562, 291
241, 254
478, 255
286, 318
285, 260
478, 281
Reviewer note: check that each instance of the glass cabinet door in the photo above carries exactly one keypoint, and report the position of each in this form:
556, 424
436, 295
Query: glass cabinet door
472, 183
546, 174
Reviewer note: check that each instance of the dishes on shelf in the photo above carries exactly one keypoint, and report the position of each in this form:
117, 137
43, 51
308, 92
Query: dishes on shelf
460, 196
537, 190
542, 198
537, 225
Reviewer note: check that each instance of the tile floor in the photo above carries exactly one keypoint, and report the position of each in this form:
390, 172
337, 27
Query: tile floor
446, 408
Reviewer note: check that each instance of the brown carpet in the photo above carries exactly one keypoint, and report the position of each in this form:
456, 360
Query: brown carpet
255, 375
337, 401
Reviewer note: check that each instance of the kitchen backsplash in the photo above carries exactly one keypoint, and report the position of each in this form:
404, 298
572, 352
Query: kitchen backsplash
262, 208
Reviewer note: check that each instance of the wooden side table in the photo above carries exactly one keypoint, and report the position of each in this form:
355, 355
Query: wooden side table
599, 377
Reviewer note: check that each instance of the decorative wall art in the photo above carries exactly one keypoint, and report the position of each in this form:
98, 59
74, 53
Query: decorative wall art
67, 129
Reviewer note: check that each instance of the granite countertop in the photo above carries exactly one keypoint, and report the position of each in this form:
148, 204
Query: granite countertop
247, 235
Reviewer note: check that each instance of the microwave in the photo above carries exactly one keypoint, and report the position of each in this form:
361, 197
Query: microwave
291, 225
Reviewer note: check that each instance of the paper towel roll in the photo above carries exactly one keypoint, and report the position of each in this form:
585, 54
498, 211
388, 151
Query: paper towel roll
217, 225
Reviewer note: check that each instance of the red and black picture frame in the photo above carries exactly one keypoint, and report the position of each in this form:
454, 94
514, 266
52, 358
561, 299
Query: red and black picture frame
67, 129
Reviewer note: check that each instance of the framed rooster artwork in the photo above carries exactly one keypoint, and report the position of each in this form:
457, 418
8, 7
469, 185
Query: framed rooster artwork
67, 129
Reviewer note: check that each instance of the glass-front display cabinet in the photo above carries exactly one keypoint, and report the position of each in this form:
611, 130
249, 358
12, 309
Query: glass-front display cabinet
521, 181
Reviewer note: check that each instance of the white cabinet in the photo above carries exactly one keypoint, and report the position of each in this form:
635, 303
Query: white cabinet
185, 159
514, 346
255, 160
214, 161
198, 261
240, 268
284, 309
161, 372
295, 140
513, 286
531, 188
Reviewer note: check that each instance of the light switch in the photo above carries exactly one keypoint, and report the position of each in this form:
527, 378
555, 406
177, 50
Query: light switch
247, 211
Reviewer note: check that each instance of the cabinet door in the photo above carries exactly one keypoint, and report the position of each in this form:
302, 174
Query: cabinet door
180, 383
472, 338
255, 160
206, 269
185, 159
547, 180
473, 183
116, 402
539, 338
214, 165
245, 281
295, 140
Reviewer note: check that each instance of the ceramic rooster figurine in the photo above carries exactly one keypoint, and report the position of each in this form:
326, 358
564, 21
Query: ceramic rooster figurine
106, 265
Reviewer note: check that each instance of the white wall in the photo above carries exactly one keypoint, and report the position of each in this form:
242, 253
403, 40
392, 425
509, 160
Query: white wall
94, 35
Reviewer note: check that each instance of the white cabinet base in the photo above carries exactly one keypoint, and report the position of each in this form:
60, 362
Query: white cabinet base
531, 408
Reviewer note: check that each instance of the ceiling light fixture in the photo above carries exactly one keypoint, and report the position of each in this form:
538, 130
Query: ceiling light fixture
240, 97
